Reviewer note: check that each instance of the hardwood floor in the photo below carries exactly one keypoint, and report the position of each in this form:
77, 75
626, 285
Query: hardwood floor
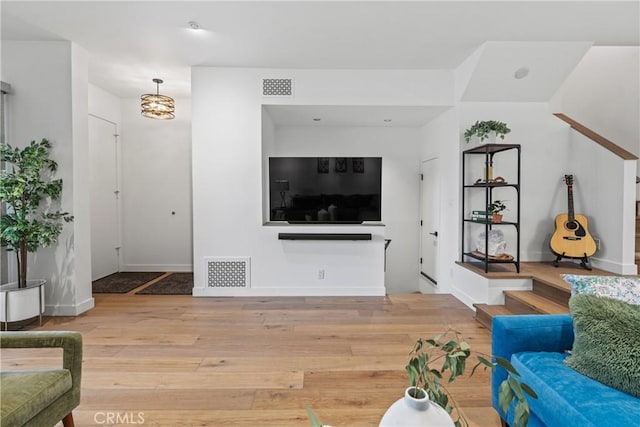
184, 361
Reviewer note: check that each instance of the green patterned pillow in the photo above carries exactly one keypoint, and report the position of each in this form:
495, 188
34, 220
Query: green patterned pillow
623, 288
607, 341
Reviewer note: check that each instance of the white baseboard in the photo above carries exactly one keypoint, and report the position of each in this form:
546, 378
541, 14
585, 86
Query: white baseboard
177, 268
614, 267
69, 310
287, 292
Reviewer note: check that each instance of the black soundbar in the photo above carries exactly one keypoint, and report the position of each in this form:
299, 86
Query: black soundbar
324, 236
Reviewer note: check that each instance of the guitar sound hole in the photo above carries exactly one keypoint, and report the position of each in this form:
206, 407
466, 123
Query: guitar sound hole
571, 225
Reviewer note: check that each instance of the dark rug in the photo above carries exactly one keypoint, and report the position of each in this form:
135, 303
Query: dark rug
173, 284
120, 283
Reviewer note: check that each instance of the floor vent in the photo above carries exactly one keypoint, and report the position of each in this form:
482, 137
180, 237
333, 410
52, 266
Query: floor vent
228, 272
277, 87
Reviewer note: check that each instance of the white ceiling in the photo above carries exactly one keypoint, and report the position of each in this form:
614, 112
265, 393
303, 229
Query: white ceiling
547, 65
129, 43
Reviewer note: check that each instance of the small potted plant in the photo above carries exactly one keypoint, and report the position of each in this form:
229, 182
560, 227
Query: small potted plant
429, 361
30, 221
482, 130
494, 210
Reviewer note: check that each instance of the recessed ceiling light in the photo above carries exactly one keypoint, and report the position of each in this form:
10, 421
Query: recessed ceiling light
316, 119
521, 73
193, 25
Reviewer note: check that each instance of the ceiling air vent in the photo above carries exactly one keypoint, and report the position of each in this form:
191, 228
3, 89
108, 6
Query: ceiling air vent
228, 272
277, 87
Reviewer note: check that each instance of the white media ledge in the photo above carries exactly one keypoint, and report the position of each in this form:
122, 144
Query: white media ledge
307, 260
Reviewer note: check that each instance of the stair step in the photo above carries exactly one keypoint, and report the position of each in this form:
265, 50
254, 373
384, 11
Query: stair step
553, 292
527, 302
485, 313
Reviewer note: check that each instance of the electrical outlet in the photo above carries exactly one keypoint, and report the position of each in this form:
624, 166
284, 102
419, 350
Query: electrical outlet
321, 274
597, 240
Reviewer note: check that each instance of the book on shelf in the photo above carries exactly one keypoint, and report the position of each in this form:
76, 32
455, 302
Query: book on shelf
482, 221
479, 213
475, 216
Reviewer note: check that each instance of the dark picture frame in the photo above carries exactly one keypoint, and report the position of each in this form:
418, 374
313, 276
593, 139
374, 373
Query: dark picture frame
323, 165
340, 164
357, 165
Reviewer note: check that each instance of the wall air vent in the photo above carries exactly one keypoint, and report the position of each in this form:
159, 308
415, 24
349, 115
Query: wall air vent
277, 87
228, 272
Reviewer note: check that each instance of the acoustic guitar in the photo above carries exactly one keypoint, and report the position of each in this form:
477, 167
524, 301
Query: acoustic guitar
571, 238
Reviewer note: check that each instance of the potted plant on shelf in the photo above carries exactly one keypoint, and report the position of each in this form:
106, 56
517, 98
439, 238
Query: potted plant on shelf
483, 130
494, 210
429, 361
30, 222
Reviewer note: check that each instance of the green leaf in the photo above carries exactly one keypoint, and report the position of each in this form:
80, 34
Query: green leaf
515, 386
313, 419
530, 391
521, 414
505, 396
507, 365
486, 362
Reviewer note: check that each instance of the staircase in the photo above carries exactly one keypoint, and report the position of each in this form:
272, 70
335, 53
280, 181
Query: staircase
544, 298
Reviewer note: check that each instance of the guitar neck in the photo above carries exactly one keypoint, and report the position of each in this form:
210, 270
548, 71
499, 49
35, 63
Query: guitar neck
570, 212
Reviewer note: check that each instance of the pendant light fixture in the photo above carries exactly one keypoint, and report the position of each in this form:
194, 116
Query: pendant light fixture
156, 106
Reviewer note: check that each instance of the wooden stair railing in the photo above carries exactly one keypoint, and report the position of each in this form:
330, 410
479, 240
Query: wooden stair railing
596, 137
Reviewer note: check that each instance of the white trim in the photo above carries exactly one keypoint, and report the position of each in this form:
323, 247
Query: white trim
69, 310
287, 292
614, 267
177, 268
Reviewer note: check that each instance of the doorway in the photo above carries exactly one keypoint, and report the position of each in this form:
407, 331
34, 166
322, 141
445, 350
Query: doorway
429, 219
104, 190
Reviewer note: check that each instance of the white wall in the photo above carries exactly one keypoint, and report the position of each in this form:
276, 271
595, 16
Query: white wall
52, 102
399, 148
441, 139
156, 190
604, 191
227, 147
104, 104
603, 93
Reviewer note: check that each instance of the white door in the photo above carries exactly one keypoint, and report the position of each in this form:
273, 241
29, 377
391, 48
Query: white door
430, 219
105, 225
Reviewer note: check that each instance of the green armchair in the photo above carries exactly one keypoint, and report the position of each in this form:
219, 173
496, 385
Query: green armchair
41, 398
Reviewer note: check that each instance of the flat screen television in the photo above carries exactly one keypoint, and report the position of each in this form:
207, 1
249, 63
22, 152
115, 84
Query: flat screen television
325, 190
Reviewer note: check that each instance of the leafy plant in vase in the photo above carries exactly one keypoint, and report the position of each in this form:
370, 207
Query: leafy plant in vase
429, 361
494, 209
483, 130
28, 192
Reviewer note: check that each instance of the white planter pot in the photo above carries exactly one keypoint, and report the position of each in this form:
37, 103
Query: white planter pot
21, 303
410, 411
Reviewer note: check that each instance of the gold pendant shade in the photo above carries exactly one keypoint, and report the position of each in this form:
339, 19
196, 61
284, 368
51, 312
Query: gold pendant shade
156, 106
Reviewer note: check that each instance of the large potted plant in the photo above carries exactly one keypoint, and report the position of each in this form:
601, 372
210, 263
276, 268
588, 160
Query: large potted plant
31, 221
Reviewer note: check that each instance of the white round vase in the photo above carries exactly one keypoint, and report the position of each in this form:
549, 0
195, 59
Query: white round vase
21, 303
409, 412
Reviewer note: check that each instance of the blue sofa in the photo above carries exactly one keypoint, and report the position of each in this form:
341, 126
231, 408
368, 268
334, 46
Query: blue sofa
537, 345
